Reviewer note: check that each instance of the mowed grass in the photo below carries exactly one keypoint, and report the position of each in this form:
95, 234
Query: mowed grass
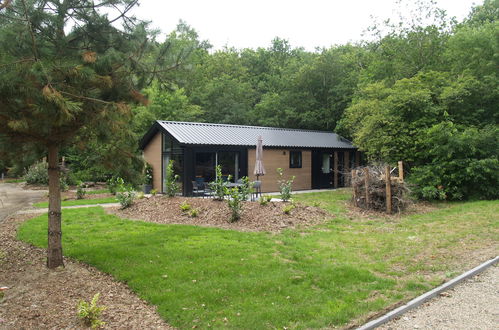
94, 201
321, 277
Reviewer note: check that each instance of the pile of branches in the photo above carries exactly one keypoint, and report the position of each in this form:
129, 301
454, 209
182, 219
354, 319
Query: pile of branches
376, 189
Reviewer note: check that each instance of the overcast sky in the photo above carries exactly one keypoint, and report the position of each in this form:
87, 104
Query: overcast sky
252, 24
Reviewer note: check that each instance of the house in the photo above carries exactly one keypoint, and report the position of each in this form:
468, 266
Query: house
317, 159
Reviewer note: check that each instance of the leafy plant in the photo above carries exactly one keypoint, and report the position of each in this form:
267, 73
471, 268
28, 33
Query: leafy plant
171, 184
219, 187
37, 174
284, 185
184, 206
80, 190
113, 183
154, 192
193, 213
140, 195
90, 312
316, 204
265, 199
63, 184
148, 174
288, 208
245, 188
234, 203
125, 194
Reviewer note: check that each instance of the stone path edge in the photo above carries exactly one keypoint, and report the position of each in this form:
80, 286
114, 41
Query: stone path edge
427, 296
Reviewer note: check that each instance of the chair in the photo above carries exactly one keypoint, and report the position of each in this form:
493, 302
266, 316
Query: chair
197, 189
257, 190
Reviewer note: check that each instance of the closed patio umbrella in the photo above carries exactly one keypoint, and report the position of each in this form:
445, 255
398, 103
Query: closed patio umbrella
259, 169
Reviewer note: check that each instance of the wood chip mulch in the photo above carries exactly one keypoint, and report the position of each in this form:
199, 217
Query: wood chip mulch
39, 298
212, 213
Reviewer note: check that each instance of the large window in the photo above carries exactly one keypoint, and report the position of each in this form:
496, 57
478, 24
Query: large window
206, 162
295, 159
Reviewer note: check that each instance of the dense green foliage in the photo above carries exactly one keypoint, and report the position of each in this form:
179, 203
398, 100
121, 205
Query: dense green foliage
322, 277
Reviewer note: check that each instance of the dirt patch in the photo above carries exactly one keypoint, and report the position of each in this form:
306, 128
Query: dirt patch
211, 213
39, 298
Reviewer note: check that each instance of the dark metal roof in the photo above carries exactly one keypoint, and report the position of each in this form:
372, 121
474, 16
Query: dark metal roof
239, 135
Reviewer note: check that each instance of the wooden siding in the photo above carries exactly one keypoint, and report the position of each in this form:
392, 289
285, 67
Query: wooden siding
152, 155
275, 158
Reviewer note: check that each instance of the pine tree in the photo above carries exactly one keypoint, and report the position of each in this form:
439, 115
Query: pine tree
66, 68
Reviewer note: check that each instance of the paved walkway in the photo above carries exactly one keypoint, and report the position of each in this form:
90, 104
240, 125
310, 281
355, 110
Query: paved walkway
45, 210
473, 304
14, 198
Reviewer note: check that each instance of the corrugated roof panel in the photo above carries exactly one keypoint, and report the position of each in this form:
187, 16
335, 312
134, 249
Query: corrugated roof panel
222, 134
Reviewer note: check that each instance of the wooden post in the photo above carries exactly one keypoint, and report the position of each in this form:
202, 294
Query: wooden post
335, 169
346, 169
354, 190
366, 186
388, 190
401, 171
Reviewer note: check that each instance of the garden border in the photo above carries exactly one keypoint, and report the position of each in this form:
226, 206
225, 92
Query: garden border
427, 296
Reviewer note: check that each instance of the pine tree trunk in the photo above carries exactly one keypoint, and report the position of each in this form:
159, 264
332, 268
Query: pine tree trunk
54, 250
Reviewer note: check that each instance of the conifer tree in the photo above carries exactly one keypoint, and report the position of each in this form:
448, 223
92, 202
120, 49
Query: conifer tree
67, 68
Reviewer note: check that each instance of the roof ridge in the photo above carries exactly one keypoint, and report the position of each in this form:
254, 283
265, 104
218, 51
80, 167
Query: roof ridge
246, 126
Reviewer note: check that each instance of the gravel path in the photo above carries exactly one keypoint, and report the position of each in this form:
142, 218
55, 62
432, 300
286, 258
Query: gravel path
473, 304
13, 198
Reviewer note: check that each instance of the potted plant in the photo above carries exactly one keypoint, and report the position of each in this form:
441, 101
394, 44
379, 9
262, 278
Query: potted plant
147, 179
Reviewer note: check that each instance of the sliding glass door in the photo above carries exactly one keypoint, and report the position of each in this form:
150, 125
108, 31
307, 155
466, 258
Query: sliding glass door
206, 162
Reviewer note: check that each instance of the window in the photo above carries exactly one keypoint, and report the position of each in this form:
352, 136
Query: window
295, 159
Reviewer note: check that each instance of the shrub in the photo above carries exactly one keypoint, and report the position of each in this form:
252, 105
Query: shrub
194, 213
265, 199
219, 188
90, 313
37, 174
184, 206
148, 174
464, 164
171, 179
288, 208
80, 191
154, 192
316, 204
284, 186
125, 194
63, 184
235, 204
113, 183
245, 188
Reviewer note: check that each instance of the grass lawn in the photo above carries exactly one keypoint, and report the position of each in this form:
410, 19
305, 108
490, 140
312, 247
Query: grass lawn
13, 180
98, 191
80, 202
319, 277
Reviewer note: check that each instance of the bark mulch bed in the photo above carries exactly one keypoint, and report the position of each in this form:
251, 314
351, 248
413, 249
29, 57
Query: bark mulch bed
212, 213
39, 298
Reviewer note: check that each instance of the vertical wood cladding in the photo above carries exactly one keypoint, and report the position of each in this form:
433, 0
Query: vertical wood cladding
275, 158
152, 155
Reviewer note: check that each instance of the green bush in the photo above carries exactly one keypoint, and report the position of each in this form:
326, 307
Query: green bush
265, 199
37, 174
113, 183
90, 312
218, 186
284, 186
148, 174
184, 206
125, 194
463, 164
234, 203
154, 192
80, 191
193, 213
288, 208
171, 179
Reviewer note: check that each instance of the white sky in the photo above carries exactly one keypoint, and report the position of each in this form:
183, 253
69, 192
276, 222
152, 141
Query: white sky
252, 24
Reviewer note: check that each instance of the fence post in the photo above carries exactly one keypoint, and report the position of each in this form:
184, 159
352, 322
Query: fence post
354, 188
401, 171
388, 190
366, 185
